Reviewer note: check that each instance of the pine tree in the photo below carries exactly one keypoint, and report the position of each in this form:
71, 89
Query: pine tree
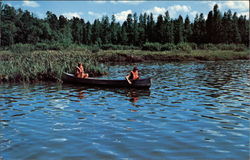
187, 30
179, 28
169, 26
209, 28
96, 29
77, 31
150, 28
217, 27
129, 28
88, 33
141, 30
160, 30
114, 31
135, 30
235, 30
105, 30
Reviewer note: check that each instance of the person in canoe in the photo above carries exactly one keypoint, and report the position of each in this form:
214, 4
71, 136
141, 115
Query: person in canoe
80, 71
133, 75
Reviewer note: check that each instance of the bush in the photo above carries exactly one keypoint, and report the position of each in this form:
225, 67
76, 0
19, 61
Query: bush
42, 46
56, 46
184, 47
168, 47
151, 46
117, 47
94, 48
22, 48
193, 46
208, 46
240, 47
109, 46
125, 47
226, 46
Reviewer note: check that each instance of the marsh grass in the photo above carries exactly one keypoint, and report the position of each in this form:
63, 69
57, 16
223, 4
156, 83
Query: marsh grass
45, 65
175, 55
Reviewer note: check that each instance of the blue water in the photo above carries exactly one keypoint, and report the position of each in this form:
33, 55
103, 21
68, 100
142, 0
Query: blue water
193, 110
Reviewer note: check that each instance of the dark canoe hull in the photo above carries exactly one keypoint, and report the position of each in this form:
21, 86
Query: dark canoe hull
141, 83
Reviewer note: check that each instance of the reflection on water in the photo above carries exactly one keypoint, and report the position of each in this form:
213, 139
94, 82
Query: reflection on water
132, 93
193, 110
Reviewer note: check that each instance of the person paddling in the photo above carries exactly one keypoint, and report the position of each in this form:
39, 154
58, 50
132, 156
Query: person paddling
80, 71
133, 75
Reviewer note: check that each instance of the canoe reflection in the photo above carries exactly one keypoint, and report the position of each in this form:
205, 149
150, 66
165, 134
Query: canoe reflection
133, 94
81, 95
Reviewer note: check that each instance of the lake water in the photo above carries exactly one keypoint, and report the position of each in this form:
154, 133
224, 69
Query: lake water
193, 110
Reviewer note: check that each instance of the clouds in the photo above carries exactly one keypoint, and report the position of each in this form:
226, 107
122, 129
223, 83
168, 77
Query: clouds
241, 7
130, 2
174, 11
156, 11
238, 5
70, 15
96, 15
30, 4
179, 9
126, 2
122, 16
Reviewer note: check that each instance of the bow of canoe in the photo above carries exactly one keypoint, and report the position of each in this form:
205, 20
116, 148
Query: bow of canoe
141, 83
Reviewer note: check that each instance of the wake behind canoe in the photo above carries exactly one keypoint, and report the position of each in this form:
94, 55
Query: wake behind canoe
141, 83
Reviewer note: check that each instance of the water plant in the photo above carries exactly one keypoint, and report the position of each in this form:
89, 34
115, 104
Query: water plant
45, 65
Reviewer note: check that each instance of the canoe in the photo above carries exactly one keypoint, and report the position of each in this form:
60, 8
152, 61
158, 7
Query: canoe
141, 83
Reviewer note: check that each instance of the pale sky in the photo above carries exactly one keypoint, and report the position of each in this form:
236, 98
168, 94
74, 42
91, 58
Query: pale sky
90, 10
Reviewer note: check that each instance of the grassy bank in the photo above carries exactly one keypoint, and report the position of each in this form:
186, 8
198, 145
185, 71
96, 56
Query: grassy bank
44, 65
49, 64
194, 55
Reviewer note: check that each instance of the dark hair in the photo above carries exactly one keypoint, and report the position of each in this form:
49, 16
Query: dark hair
135, 68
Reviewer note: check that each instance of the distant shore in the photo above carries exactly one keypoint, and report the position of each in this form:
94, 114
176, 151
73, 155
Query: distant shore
169, 56
48, 65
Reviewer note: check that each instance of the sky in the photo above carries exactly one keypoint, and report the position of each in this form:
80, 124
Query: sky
90, 10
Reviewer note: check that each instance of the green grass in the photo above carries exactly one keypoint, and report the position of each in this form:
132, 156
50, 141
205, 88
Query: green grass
45, 65
175, 55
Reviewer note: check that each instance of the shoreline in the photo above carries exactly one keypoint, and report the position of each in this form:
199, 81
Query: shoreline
43, 66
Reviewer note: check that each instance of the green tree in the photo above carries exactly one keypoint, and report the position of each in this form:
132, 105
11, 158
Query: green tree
88, 33
129, 28
96, 32
160, 30
187, 30
243, 25
150, 28
217, 27
209, 28
179, 29
141, 30
135, 30
8, 28
77, 30
169, 28
114, 27
235, 29
122, 37
105, 34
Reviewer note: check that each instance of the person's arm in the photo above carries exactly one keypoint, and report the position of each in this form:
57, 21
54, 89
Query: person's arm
127, 78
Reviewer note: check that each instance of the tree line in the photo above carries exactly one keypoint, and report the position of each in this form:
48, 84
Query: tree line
18, 26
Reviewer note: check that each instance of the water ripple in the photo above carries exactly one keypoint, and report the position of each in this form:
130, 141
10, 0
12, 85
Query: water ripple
193, 110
